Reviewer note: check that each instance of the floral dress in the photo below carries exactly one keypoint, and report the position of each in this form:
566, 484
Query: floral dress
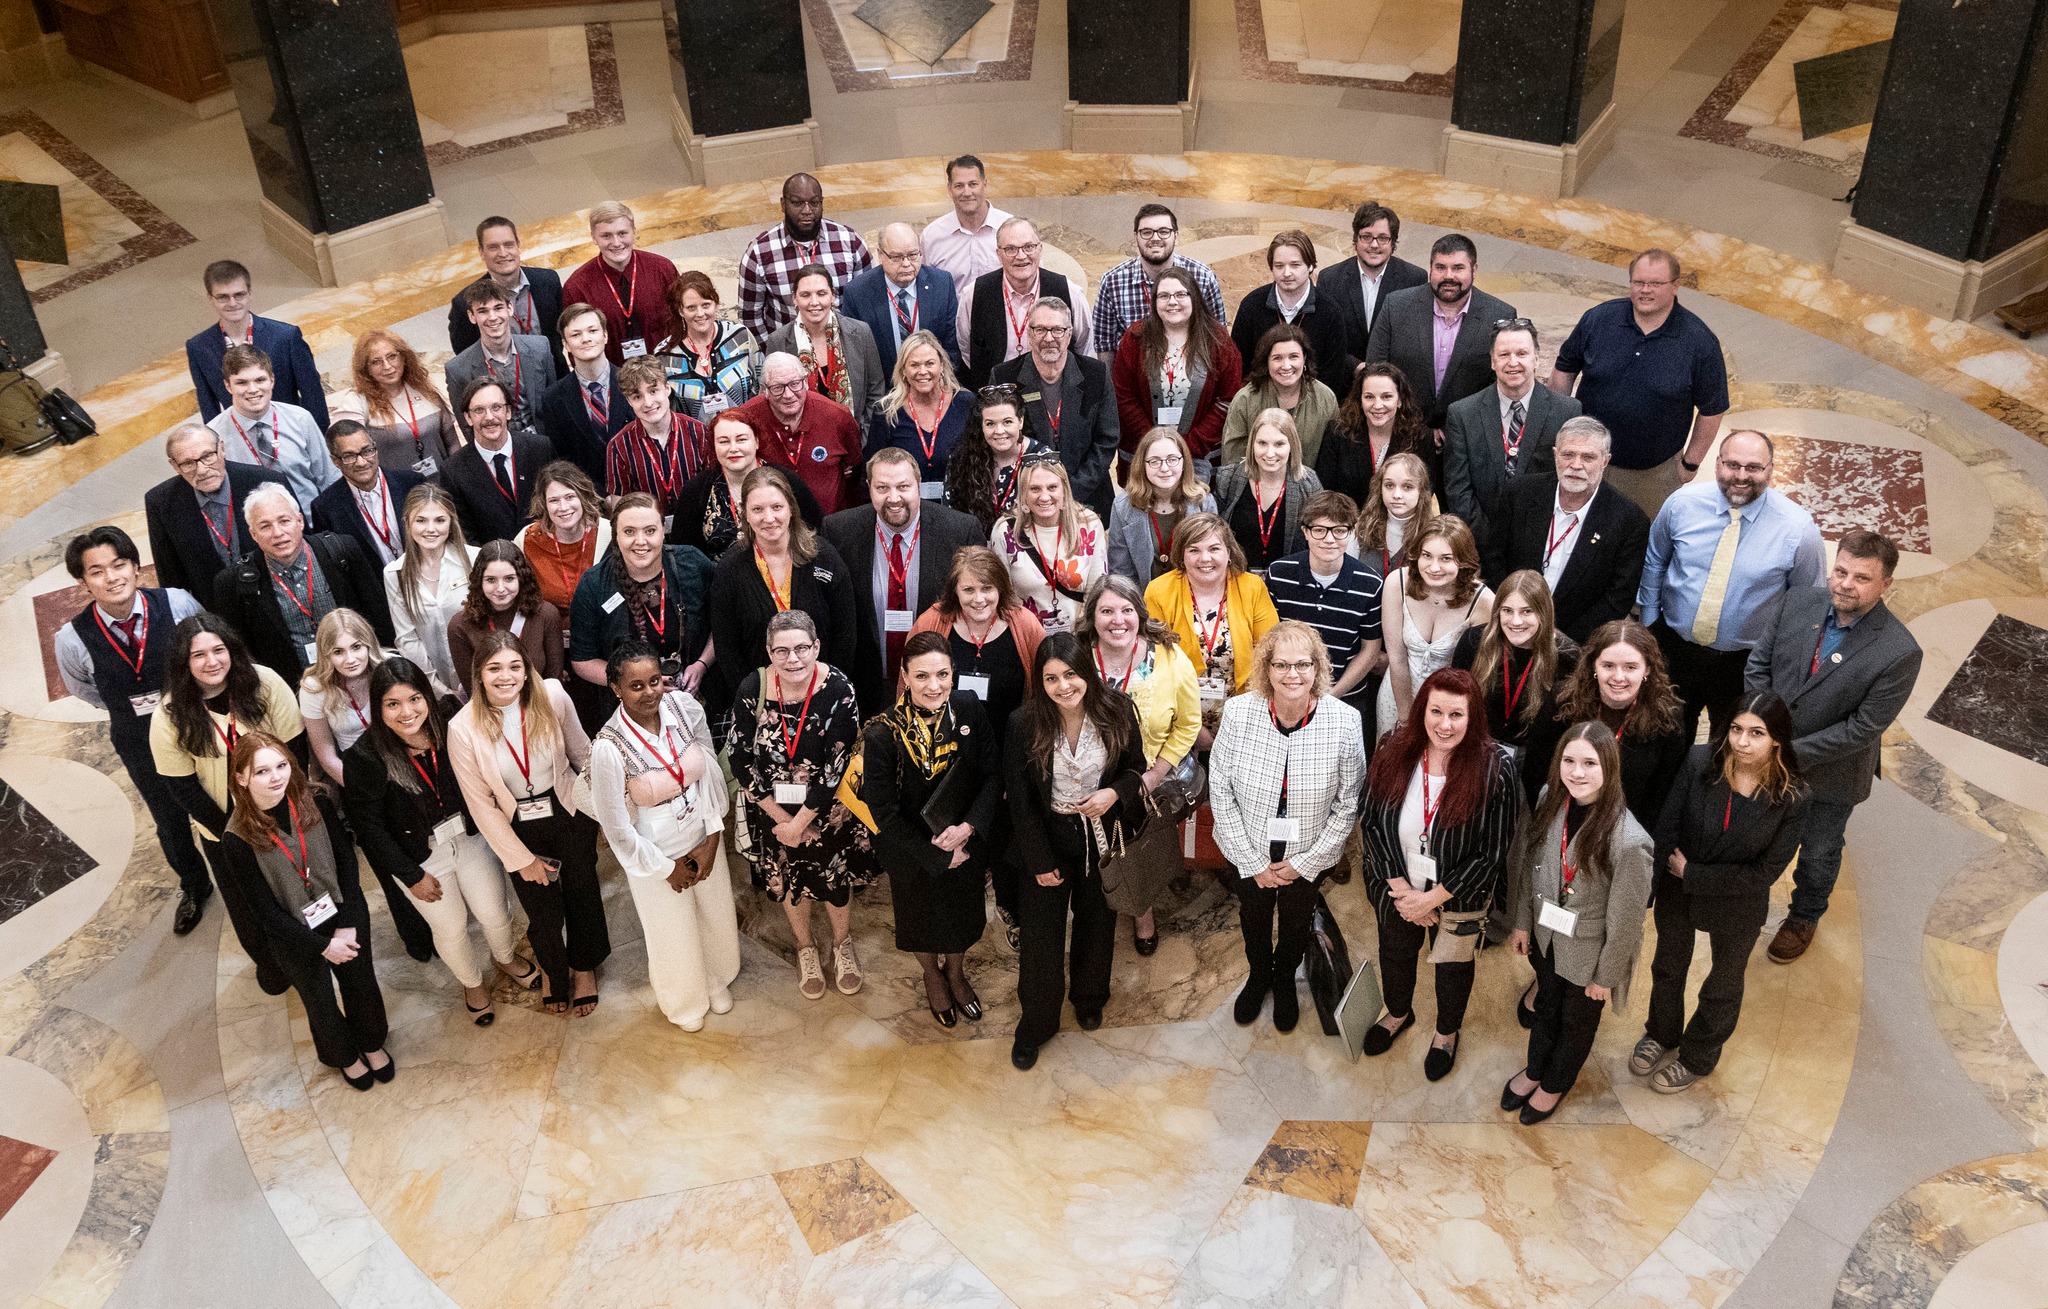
794, 744
1053, 572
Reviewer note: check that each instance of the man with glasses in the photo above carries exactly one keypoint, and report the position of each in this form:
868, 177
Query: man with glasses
194, 519
1327, 587
812, 435
1361, 284
1721, 555
901, 296
962, 244
1069, 406
992, 318
1125, 294
276, 595
804, 237
366, 502
1651, 370
1501, 433
491, 478
1585, 537
297, 378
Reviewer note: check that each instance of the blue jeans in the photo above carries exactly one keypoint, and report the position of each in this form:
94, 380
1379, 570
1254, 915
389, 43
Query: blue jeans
1820, 857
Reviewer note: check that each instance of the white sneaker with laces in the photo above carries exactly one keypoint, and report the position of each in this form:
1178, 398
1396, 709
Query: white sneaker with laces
847, 965
810, 977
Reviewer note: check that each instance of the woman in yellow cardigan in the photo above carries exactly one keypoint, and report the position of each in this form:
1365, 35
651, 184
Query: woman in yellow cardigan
1218, 610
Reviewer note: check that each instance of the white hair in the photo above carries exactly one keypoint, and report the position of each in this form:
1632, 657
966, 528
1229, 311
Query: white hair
781, 360
183, 430
1589, 427
264, 493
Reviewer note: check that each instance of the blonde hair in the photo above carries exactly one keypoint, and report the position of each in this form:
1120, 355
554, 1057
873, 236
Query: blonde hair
534, 705
1372, 520
607, 211
803, 542
1020, 513
1282, 422
1143, 495
1260, 680
321, 679
899, 389
414, 559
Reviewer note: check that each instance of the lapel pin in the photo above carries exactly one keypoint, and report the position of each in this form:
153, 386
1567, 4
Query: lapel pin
1595, 540
1835, 658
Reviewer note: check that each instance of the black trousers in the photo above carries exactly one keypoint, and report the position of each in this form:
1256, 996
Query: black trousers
413, 931
344, 1029
173, 825
1567, 1020
246, 918
564, 919
1707, 680
1257, 906
1720, 1002
1401, 945
1043, 966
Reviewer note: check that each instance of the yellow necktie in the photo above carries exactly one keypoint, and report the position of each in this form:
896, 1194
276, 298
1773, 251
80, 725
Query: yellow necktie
1706, 623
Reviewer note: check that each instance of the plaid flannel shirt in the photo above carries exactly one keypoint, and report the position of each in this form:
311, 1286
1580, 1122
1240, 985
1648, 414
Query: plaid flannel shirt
768, 271
1125, 296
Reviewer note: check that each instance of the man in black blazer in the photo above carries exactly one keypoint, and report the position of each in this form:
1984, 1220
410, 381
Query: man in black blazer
1585, 537
1056, 381
1362, 283
194, 520
277, 594
582, 410
295, 378
491, 479
1291, 298
1844, 665
536, 292
367, 502
1502, 432
863, 535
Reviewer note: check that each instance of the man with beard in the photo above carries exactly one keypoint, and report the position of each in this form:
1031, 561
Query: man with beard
1721, 554
804, 236
1124, 296
629, 286
1069, 405
1585, 537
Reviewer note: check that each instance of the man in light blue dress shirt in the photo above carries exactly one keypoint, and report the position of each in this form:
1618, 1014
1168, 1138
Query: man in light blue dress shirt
1721, 553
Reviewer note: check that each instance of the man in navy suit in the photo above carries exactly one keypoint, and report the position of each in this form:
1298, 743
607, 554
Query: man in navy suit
580, 411
367, 502
899, 296
297, 380
536, 292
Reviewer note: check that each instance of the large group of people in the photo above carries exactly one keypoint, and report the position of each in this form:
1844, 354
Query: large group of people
924, 568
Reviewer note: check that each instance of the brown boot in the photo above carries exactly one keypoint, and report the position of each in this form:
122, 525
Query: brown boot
1794, 935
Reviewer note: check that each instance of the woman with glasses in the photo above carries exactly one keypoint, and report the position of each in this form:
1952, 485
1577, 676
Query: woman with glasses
1379, 419
925, 411
713, 364
426, 585
1176, 368
838, 352
982, 474
708, 515
397, 403
1162, 490
794, 725
1281, 374
1261, 495
1219, 611
1053, 547
778, 565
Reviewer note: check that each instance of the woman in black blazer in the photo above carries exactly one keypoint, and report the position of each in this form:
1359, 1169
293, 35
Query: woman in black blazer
1074, 761
1441, 804
1726, 835
414, 826
808, 574
934, 743
1621, 680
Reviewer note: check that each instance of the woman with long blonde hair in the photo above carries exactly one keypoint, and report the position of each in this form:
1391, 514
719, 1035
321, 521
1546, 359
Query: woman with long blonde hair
1055, 548
407, 416
924, 412
427, 584
1399, 502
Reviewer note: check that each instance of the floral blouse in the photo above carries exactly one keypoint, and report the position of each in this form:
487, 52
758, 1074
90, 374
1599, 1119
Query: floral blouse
1053, 571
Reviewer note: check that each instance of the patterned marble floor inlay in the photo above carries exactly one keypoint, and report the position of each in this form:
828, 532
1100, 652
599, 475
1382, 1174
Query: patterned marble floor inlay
1846, 486
1819, 60
107, 225
20, 1165
37, 859
1996, 696
481, 92
869, 45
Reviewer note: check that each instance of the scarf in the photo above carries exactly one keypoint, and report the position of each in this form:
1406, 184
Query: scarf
825, 361
929, 740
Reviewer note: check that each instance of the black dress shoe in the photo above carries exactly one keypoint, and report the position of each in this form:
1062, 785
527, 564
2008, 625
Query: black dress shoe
1023, 1056
1509, 1100
970, 1009
362, 1083
945, 1017
423, 953
1250, 1001
272, 985
1531, 1115
1523, 1013
1089, 1019
388, 1071
1286, 1006
1147, 945
191, 909
1378, 1040
1437, 1064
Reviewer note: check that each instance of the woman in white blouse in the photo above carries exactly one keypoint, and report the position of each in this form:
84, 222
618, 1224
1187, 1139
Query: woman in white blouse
1055, 548
428, 583
518, 750
660, 796
334, 694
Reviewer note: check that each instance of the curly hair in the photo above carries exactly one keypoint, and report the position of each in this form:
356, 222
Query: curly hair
476, 607
377, 404
1657, 709
1350, 423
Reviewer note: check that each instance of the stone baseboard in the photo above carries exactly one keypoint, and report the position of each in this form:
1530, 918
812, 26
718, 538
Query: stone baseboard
1947, 288
51, 371
360, 253
1550, 172
773, 152
1130, 129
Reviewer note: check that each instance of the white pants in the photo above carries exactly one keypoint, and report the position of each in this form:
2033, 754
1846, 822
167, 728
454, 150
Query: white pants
472, 884
693, 940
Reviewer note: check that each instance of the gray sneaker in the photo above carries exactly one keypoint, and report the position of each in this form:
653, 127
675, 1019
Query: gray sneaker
1673, 1078
1650, 1055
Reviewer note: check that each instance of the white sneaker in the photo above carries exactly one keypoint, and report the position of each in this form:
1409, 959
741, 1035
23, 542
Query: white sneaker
810, 977
847, 965
721, 1000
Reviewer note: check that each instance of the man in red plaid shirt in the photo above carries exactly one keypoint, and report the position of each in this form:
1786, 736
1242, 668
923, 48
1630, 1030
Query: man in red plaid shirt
804, 236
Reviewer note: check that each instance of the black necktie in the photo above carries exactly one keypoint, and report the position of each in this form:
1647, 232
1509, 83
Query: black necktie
504, 478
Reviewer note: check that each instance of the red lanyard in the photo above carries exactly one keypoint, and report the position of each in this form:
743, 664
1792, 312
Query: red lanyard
412, 420
1103, 672
306, 608
789, 742
1620, 731
665, 488
980, 641
511, 471
1158, 537
1048, 564
1564, 843
525, 319
141, 634
1052, 415
1513, 694
248, 334
1728, 809
767, 575
659, 623
927, 441
1166, 367
674, 768
302, 865
1814, 667
518, 369
1266, 525
428, 775
356, 709
227, 546
1428, 809
271, 418
381, 524
1214, 633
632, 287
230, 734
523, 754
1017, 325
1552, 541
792, 442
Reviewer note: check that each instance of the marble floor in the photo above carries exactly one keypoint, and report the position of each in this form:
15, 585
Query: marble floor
1820, 58
1874, 1137
481, 92
1405, 45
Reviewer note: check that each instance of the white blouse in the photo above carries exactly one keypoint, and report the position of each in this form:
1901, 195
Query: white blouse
648, 838
539, 752
346, 724
1077, 770
1413, 803
424, 640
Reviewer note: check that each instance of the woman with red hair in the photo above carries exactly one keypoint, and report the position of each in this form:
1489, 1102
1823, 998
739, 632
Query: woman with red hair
1441, 803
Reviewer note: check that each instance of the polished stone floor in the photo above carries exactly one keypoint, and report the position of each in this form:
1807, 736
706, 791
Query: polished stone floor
1875, 1136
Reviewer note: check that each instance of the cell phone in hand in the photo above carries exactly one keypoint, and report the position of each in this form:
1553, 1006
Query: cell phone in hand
554, 869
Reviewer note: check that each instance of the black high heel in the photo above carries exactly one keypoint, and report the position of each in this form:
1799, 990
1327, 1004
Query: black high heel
946, 1018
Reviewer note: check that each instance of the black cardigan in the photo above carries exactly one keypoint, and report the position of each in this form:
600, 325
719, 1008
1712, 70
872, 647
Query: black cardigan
394, 825
1471, 856
741, 607
696, 499
1649, 766
1030, 792
1536, 740
1728, 874
283, 926
896, 794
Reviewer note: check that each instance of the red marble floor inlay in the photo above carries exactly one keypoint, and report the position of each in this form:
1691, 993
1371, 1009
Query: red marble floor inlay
1846, 484
20, 1165
55, 608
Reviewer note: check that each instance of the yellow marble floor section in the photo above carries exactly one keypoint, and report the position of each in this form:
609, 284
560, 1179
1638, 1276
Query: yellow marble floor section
1383, 40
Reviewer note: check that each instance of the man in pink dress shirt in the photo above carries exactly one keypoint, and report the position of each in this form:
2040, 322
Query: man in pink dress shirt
963, 243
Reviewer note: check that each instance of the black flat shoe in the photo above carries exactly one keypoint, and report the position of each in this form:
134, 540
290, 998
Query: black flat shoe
1286, 1006
423, 953
1089, 1019
1249, 1002
483, 1017
970, 1009
1524, 1014
1509, 1100
388, 1071
1380, 1039
1437, 1064
362, 1083
1022, 1057
1531, 1115
1147, 945
191, 909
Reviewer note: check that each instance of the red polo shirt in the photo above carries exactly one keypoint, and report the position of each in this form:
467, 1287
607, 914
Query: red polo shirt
824, 450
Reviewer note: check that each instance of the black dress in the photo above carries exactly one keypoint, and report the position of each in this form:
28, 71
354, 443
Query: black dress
1534, 741
939, 908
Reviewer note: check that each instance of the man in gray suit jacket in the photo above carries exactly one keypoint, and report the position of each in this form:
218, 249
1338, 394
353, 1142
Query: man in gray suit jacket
1844, 664
1502, 432
523, 365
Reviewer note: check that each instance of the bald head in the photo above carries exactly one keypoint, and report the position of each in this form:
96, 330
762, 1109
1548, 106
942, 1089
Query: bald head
901, 254
803, 206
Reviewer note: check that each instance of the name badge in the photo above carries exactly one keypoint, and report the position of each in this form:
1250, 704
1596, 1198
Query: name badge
1283, 829
668, 524
791, 793
1169, 415
897, 620
1563, 921
426, 467
614, 602
1421, 870
145, 704
319, 911
633, 347
448, 829
1030, 395
975, 683
713, 405
539, 807
312, 649
931, 490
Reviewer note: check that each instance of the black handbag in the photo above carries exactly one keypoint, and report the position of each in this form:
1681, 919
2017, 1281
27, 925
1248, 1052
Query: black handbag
67, 418
1180, 792
1329, 965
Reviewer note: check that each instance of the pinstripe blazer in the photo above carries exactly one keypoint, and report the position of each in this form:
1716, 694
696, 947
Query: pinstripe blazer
1325, 766
1602, 950
1471, 857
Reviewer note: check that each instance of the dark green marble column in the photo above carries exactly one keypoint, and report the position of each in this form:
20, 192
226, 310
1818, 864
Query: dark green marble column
1533, 80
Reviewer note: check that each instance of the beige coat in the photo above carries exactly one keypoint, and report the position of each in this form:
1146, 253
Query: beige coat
474, 757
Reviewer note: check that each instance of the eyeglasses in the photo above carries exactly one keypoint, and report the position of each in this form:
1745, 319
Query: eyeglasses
787, 652
1291, 666
1172, 297
1513, 325
197, 462
1643, 284
999, 393
1040, 459
1010, 250
901, 256
1155, 233
1049, 333
785, 388
486, 411
1751, 470
350, 458
1367, 238
1163, 461
1326, 532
